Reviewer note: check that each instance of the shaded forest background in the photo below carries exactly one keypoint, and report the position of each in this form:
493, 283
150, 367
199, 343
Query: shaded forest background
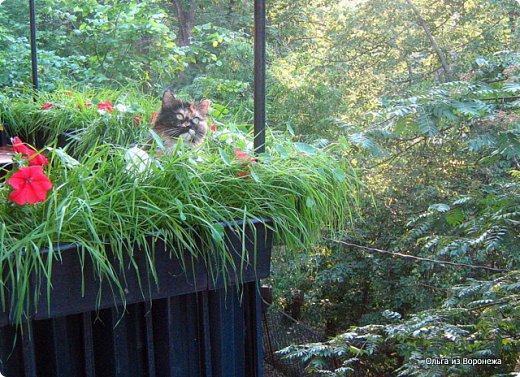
422, 96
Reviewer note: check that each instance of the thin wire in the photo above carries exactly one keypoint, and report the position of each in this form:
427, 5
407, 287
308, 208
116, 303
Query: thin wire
307, 327
401, 255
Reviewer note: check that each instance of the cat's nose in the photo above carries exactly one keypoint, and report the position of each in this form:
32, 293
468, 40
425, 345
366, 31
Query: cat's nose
186, 124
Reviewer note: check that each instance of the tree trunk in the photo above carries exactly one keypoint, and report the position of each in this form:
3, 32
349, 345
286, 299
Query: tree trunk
445, 66
513, 16
185, 10
231, 9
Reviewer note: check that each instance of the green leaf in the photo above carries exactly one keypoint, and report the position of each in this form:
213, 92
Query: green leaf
306, 148
309, 202
363, 141
180, 207
426, 125
255, 176
512, 87
439, 207
281, 150
455, 217
343, 143
225, 157
157, 138
217, 232
339, 174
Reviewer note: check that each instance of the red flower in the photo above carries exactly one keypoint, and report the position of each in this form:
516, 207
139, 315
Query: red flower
106, 106
30, 185
213, 127
153, 117
137, 120
239, 155
246, 161
20, 147
28, 153
46, 106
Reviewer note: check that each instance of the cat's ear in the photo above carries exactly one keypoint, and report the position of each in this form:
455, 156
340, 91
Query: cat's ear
204, 106
168, 100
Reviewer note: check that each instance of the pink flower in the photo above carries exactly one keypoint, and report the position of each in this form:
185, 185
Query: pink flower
213, 128
46, 106
105, 106
28, 153
30, 185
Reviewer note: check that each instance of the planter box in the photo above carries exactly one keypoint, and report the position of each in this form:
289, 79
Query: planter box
188, 324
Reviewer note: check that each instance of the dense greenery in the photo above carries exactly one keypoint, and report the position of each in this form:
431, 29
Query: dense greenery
105, 192
422, 97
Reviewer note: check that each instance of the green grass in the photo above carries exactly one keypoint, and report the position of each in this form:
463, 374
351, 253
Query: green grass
180, 199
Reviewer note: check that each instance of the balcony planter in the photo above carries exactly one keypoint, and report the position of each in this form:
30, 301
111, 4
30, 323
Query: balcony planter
75, 288
188, 299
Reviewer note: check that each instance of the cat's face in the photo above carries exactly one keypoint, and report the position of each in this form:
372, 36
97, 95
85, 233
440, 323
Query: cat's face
180, 119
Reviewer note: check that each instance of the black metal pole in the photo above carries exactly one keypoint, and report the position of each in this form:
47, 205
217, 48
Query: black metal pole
34, 57
259, 142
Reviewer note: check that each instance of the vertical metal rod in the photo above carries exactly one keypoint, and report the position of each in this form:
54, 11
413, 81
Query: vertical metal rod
255, 287
29, 352
34, 56
259, 142
206, 337
150, 350
88, 345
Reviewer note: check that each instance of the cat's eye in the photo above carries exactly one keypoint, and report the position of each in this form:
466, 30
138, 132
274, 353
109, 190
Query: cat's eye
179, 116
195, 121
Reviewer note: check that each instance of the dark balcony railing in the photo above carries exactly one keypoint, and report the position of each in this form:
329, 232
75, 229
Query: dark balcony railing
211, 333
188, 324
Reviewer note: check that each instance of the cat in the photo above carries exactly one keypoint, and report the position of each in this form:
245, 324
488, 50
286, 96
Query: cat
181, 119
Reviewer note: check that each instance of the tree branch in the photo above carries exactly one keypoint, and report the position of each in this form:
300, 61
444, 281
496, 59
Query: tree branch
433, 42
502, 99
394, 156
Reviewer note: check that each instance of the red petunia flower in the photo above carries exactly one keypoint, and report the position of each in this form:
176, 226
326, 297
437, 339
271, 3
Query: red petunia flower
239, 155
213, 127
153, 117
20, 147
30, 185
46, 106
137, 120
28, 153
105, 106
246, 161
